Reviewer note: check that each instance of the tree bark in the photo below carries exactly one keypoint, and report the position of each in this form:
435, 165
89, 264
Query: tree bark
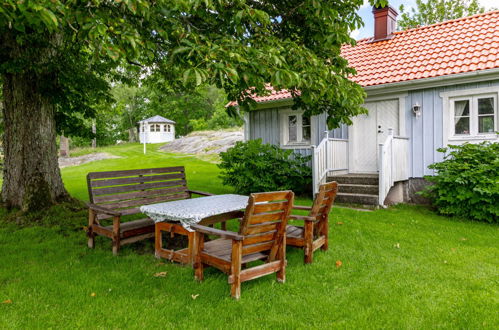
31, 175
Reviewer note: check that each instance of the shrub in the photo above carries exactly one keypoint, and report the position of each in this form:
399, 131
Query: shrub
255, 167
467, 182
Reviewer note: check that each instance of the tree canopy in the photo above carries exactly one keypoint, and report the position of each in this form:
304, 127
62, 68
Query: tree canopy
436, 11
60, 55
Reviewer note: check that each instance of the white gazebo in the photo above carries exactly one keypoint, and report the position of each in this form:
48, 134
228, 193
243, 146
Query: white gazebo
156, 129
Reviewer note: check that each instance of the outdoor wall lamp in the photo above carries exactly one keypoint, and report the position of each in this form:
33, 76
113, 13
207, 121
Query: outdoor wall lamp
416, 109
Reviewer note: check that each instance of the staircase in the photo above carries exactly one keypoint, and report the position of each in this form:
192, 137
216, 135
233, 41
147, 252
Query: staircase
357, 188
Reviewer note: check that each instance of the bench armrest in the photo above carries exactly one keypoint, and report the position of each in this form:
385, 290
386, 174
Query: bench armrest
100, 209
302, 208
302, 217
202, 193
217, 232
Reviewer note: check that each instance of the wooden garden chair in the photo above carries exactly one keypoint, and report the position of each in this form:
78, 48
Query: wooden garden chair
314, 233
261, 236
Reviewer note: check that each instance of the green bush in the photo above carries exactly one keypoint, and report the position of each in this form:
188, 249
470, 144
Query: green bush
466, 183
255, 167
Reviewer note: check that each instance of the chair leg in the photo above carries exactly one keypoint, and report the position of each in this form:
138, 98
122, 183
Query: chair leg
325, 233
90, 231
198, 264
309, 240
281, 255
235, 269
116, 235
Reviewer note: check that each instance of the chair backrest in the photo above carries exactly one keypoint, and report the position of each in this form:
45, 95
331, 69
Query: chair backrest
264, 222
324, 200
127, 190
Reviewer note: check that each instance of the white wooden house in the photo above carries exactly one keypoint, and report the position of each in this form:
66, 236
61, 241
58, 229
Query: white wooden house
156, 129
426, 88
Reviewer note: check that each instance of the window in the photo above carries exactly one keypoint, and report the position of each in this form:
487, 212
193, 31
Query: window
168, 129
296, 129
474, 116
155, 128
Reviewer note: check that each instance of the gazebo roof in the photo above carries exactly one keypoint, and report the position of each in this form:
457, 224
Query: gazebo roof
157, 119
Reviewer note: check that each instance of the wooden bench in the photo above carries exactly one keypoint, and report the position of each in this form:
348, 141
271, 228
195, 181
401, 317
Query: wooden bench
116, 194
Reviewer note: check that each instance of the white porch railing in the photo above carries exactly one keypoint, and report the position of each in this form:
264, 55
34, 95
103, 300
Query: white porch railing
393, 155
328, 156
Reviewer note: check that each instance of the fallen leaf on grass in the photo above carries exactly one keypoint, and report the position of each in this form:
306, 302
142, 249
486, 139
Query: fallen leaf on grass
161, 263
92, 294
85, 228
397, 246
463, 239
8, 301
338, 263
160, 274
194, 296
339, 223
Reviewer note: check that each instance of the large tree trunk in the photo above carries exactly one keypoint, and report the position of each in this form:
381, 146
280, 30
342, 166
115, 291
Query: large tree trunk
31, 175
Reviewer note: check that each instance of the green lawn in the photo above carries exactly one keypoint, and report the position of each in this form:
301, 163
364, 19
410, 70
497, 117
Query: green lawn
403, 267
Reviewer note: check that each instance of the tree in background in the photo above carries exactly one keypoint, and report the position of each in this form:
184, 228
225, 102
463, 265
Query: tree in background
58, 57
436, 11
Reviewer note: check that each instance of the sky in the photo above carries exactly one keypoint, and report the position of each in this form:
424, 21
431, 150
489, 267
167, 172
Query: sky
366, 13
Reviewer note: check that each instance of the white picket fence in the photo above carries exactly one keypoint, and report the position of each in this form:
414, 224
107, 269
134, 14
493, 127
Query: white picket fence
393, 167
329, 156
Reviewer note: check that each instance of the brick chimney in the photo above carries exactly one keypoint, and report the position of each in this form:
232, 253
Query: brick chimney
385, 23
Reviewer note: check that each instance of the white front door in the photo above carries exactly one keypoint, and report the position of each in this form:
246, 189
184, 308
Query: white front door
368, 131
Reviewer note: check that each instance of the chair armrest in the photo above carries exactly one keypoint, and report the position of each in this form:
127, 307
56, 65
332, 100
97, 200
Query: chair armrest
303, 208
302, 217
100, 209
217, 232
202, 193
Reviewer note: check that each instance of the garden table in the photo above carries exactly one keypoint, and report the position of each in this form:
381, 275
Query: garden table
176, 218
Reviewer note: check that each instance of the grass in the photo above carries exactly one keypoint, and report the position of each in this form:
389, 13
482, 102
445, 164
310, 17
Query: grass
403, 267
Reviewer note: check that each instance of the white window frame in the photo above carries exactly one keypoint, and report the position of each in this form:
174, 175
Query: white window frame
472, 95
284, 121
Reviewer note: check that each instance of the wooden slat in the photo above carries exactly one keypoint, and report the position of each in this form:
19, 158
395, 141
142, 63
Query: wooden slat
134, 239
268, 207
266, 217
135, 210
248, 249
137, 194
135, 187
258, 271
116, 174
146, 201
271, 196
318, 243
261, 228
265, 237
136, 179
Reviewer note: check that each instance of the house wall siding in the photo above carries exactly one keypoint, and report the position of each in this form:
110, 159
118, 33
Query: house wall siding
426, 131
264, 124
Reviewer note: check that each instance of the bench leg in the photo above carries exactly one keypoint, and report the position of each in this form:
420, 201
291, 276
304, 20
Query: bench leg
116, 235
281, 255
90, 231
325, 233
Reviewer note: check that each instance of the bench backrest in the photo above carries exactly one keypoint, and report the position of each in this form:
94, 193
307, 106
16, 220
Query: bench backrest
127, 190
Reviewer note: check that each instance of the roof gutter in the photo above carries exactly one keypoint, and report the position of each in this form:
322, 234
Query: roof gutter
458, 78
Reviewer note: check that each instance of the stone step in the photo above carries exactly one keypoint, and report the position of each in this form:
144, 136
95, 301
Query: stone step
358, 189
365, 179
362, 199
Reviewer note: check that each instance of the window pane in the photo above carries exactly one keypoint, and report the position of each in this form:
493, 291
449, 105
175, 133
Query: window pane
486, 106
462, 108
306, 133
305, 122
292, 128
486, 124
462, 125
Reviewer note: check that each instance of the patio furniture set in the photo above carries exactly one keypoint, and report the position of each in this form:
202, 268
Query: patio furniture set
162, 194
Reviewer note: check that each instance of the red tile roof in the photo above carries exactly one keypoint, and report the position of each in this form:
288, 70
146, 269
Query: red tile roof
457, 46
